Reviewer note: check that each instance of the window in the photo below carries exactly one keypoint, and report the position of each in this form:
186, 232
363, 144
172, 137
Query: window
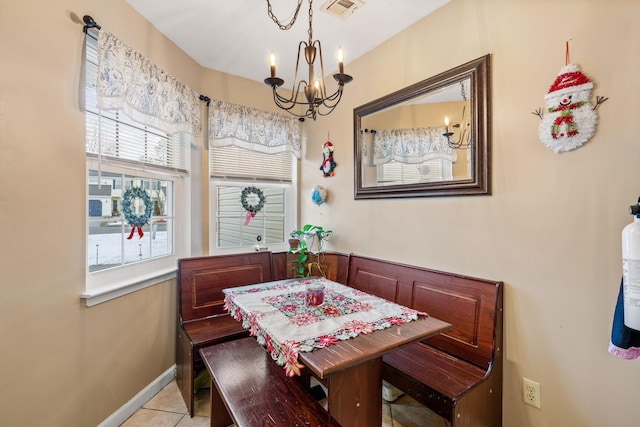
232, 227
232, 169
111, 241
129, 166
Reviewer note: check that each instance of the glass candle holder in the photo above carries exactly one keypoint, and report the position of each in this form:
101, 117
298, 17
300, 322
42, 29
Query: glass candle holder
315, 294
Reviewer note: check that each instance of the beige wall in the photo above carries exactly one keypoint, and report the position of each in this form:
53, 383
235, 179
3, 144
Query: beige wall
550, 231
64, 364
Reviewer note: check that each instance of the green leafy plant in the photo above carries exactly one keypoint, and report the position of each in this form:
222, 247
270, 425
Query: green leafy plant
306, 260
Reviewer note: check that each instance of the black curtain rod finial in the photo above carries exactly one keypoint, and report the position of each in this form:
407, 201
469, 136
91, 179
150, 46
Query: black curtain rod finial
205, 99
89, 22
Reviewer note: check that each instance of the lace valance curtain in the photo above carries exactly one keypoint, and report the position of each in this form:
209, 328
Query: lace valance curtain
414, 145
252, 129
129, 82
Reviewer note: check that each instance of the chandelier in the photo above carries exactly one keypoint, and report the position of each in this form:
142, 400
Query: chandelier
464, 137
311, 94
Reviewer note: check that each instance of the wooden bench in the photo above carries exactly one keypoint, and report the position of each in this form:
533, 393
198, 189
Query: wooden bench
457, 374
249, 389
202, 320
335, 265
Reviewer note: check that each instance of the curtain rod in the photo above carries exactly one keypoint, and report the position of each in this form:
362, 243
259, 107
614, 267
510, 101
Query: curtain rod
89, 23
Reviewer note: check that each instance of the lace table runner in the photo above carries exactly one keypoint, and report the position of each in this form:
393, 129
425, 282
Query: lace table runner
276, 314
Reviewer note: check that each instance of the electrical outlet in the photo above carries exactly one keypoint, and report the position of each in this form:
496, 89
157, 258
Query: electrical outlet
531, 392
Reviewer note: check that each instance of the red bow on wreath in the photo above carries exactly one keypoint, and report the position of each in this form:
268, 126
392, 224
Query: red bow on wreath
136, 220
254, 206
248, 217
133, 229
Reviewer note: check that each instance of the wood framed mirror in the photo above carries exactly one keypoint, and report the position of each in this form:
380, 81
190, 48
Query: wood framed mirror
429, 139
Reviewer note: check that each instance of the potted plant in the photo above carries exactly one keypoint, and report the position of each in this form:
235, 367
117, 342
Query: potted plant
310, 237
294, 241
314, 235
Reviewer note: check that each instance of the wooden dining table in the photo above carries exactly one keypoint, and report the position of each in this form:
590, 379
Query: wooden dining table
351, 367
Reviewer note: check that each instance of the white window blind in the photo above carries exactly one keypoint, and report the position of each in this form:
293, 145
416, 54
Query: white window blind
433, 170
231, 162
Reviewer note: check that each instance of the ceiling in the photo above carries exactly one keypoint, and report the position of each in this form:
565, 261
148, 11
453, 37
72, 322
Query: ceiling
237, 36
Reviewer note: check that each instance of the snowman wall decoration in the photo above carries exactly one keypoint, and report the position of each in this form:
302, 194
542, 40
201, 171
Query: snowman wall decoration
570, 119
328, 164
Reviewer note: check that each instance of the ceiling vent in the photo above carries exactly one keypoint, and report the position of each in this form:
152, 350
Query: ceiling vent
341, 8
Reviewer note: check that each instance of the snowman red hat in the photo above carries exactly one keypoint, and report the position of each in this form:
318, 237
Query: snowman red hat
570, 79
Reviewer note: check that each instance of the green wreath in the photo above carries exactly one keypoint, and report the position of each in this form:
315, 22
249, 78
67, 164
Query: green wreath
254, 208
136, 221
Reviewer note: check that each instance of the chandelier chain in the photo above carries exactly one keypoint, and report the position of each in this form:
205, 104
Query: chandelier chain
310, 30
277, 21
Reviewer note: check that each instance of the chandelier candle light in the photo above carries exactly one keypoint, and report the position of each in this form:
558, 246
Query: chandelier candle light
464, 141
315, 100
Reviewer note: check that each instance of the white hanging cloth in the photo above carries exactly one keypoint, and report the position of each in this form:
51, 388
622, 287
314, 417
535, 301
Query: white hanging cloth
253, 129
133, 84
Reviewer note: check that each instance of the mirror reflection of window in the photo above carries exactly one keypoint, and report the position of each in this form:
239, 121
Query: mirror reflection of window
396, 173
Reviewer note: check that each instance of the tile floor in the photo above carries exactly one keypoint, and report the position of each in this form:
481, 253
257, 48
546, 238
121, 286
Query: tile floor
167, 409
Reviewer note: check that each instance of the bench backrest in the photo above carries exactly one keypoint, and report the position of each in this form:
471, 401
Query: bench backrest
473, 306
202, 279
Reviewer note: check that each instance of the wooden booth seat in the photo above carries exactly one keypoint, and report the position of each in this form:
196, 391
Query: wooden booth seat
457, 374
248, 389
202, 320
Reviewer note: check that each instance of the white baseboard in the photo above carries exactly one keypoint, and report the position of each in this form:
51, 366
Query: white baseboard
129, 408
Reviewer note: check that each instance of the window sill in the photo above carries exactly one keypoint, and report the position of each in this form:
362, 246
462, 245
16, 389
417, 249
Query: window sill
272, 247
97, 296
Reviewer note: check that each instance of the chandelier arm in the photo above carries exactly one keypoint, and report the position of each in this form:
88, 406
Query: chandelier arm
333, 100
281, 102
323, 90
461, 141
301, 50
293, 100
329, 111
294, 95
288, 108
329, 102
330, 107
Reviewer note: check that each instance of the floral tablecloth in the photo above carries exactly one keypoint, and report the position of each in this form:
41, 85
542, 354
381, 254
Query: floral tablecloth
276, 314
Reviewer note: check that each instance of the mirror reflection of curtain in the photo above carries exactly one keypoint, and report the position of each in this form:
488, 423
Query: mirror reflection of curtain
366, 143
413, 145
408, 156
